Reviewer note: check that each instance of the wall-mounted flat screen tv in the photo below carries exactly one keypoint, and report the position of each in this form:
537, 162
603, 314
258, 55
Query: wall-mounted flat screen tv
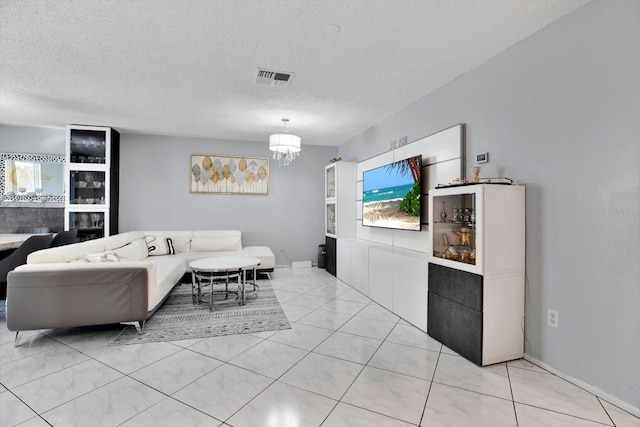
391, 195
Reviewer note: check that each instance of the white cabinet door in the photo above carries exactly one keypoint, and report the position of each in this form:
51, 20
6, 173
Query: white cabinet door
360, 267
410, 289
343, 260
381, 266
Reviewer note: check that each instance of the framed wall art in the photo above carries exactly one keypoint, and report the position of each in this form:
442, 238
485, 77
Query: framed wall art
213, 174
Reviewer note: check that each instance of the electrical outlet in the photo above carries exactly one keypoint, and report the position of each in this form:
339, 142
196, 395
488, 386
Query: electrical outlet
552, 318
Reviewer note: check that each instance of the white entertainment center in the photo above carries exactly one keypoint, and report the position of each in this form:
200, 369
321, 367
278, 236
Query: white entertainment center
391, 266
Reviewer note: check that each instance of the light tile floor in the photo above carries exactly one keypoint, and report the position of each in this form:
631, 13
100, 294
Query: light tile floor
345, 362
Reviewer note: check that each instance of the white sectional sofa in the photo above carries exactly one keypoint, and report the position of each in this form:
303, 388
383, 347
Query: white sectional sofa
120, 278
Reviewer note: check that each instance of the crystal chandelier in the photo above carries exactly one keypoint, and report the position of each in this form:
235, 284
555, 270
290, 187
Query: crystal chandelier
285, 146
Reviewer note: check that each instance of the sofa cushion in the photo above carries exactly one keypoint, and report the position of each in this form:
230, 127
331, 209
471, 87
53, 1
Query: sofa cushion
107, 256
66, 253
264, 253
119, 240
160, 245
168, 271
216, 240
134, 251
181, 239
78, 251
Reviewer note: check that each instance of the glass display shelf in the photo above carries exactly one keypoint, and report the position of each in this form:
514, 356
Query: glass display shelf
330, 180
454, 235
87, 187
90, 225
331, 218
88, 146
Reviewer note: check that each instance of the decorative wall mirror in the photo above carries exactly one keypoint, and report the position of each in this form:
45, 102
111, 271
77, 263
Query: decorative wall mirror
31, 179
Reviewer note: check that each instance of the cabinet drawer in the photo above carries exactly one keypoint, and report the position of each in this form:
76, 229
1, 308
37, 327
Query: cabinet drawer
459, 286
456, 326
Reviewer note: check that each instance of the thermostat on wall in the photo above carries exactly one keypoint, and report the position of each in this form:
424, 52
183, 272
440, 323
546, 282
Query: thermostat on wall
482, 157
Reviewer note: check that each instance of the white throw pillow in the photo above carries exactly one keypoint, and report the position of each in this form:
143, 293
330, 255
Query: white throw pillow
160, 245
134, 251
102, 257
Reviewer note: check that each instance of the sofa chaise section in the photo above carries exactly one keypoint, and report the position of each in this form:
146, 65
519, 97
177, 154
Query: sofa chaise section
117, 279
76, 295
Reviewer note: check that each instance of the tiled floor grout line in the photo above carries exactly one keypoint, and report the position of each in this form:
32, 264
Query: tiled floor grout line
545, 372
433, 376
50, 373
613, 423
25, 404
513, 402
568, 415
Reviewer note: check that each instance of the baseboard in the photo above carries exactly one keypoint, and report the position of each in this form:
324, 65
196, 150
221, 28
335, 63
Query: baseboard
615, 401
313, 264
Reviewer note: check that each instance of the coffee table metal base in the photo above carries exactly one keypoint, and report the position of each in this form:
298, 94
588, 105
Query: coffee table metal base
200, 280
211, 271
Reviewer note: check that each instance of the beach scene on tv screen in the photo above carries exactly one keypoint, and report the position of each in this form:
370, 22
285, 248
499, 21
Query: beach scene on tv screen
391, 195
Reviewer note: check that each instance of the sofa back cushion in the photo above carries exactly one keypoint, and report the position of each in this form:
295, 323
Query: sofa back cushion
216, 240
119, 240
180, 240
79, 251
134, 251
66, 253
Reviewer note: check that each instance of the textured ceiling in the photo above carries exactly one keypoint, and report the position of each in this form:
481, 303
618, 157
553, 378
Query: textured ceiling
188, 68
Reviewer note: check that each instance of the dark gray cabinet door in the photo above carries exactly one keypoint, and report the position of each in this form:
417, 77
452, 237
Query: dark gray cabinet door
330, 260
454, 314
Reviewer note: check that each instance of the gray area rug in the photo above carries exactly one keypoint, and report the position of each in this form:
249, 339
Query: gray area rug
179, 319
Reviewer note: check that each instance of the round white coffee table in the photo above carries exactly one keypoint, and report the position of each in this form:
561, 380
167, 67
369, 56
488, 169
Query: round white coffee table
215, 269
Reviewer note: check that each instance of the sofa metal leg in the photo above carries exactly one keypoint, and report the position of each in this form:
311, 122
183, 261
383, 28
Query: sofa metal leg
16, 341
139, 326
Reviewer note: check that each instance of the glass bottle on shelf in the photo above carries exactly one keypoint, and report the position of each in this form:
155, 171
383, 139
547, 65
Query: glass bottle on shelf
443, 214
466, 215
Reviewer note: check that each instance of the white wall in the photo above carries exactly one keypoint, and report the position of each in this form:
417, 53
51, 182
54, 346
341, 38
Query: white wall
559, 112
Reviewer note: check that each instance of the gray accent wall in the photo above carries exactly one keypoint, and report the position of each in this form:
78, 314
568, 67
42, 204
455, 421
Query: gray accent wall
155, 194
559, 112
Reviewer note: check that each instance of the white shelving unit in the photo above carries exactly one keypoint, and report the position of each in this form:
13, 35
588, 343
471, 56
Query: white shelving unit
92, 175
340, 207
476, 270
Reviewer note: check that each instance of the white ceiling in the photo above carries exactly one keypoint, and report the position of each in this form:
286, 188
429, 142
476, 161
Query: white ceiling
188, 68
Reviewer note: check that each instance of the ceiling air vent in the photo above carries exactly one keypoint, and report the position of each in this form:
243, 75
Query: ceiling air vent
273, 78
